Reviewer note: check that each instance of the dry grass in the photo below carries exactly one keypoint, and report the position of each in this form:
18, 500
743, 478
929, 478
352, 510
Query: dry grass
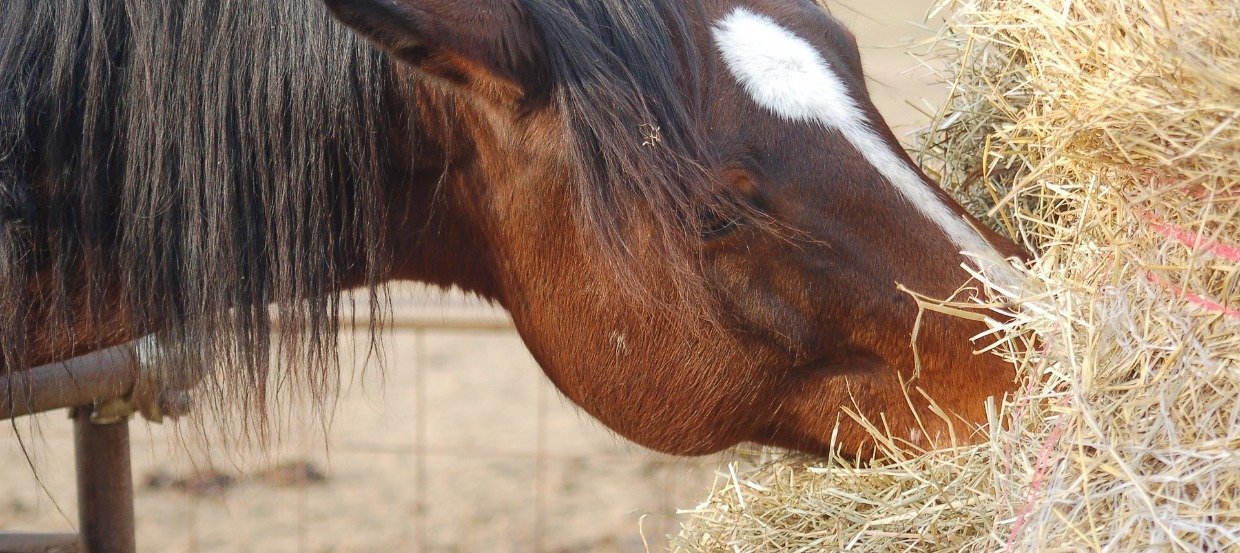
1103, 135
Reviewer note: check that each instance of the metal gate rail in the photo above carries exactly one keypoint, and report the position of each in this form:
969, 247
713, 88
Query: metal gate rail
92, 386
101, 447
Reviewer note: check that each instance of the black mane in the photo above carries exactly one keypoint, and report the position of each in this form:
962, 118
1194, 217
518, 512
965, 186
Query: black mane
628, 81
206, 161
212, 162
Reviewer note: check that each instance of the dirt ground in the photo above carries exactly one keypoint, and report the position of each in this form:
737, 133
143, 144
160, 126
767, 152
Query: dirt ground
506, 464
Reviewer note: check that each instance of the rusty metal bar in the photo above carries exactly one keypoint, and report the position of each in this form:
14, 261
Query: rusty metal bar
104, 484
102, 451
85, 380
111, 373
19, 542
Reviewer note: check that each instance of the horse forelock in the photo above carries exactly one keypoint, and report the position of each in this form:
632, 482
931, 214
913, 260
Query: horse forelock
630, 84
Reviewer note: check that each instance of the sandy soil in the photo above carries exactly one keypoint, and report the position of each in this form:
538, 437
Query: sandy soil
487, 483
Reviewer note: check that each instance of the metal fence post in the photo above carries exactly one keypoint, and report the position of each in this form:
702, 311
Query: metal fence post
104, 484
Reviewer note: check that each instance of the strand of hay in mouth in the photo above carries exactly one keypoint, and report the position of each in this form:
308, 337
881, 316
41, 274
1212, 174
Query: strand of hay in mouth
1103, 135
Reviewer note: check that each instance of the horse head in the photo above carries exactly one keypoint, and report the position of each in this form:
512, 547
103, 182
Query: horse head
695, 215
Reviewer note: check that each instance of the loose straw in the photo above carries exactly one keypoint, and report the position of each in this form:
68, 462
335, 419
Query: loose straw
1102, 135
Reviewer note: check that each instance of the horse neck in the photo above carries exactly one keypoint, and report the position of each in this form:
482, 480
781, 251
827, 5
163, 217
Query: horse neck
436, 230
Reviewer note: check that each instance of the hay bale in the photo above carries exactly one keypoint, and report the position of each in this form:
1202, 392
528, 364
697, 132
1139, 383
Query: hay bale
1103, 135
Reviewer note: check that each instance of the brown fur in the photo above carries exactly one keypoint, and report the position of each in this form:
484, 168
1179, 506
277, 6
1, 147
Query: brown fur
812, 321
681, 343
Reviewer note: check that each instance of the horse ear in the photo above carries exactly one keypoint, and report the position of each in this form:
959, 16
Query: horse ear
486, 46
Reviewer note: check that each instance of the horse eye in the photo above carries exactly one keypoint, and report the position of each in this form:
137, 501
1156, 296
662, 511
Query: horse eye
729, 214
714, 225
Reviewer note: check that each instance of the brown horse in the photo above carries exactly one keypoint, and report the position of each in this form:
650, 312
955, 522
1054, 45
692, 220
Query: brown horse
692, 210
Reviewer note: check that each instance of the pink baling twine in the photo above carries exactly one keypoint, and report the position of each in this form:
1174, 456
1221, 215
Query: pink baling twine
1207, 304
1041, 469
1195, 242
1191, 239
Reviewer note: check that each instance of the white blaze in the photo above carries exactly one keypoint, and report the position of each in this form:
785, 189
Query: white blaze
785, 74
